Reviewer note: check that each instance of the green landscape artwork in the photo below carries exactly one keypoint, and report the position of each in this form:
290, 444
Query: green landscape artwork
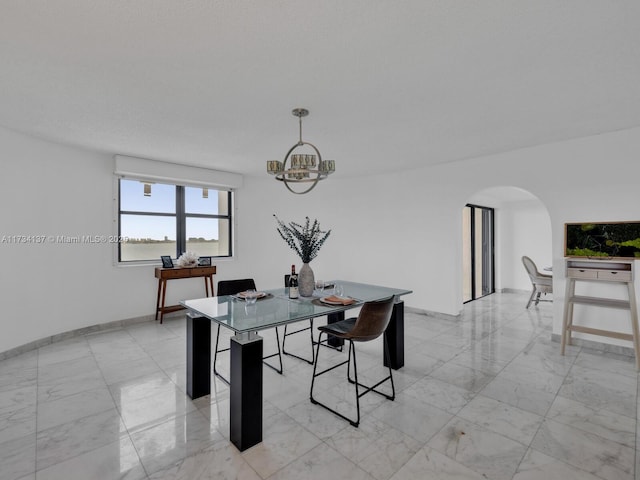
621, 239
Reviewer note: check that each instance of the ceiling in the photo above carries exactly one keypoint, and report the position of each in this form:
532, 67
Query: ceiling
390, 85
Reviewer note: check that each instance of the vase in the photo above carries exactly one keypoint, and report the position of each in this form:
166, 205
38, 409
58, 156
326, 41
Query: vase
306, 281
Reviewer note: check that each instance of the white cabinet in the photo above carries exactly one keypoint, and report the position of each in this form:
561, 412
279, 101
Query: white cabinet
619, 271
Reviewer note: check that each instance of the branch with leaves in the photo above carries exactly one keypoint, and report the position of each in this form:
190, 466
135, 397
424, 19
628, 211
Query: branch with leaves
305, 240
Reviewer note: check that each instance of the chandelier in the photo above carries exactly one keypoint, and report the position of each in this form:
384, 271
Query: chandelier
301, 168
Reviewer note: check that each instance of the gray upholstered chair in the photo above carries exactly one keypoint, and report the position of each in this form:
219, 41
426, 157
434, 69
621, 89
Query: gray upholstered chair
542, 283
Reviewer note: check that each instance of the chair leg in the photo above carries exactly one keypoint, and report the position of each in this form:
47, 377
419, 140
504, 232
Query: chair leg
215, 358
531, 297
216, 351
355, 373
538, 299
279, 354
286, 334
355, 381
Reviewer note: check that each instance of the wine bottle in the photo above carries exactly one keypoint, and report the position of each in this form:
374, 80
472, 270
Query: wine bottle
293, 283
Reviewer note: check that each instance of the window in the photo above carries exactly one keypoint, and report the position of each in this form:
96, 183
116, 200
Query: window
156, 219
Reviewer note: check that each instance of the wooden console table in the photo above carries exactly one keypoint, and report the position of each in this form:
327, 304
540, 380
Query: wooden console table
164, 274
619, 271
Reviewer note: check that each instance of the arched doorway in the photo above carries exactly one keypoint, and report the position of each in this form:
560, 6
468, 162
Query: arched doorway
518, 224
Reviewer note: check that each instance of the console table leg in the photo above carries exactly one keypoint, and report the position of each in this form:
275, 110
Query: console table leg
164, 293
198, 356
246, 390
158, 298
565, 316
394, 335
634, 322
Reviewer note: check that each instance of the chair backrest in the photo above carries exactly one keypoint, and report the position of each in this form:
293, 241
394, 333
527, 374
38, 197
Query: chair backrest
372, 320
531, 268
231, 287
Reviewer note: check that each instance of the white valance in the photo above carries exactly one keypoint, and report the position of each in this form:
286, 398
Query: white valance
173, 173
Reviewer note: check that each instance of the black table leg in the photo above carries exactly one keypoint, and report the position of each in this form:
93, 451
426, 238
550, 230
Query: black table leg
394, 336
333, 318
246, 390
198, 356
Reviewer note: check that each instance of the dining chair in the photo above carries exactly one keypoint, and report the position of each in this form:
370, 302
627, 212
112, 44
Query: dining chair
542, 283
231, 287
370, 323
287, 333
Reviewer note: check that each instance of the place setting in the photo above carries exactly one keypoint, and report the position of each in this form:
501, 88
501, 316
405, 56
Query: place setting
251, 296
336, 294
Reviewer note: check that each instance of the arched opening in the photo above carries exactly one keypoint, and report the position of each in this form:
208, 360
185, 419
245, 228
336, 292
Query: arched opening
492, 253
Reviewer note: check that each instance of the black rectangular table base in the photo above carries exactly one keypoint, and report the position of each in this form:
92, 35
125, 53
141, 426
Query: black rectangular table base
246, 390
394, 336
333, 318
198, 356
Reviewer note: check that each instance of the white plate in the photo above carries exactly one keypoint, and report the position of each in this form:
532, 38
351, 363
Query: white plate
243, 295
329, 302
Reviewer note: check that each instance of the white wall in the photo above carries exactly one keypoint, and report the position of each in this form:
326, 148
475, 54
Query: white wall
403, 229
526, 230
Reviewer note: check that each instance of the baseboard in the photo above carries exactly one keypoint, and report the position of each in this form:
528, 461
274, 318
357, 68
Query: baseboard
27, 347
513, 290
443, 316
602, 347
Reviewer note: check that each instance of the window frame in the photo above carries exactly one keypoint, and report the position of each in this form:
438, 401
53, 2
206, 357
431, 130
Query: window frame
180, 217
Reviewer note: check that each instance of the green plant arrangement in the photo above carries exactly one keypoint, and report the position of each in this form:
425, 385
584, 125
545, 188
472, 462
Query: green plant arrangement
305, 240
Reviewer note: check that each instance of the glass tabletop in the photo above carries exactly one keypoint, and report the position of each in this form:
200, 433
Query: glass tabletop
277, 309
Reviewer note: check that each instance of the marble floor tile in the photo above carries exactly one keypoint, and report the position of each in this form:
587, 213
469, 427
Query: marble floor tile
599, 421
479, 360
52, 389
376, 447
67, 440
607, 362
518, 395
73, 349
537, 466
121, 371
597, 455
463, 377
443, 395
439, 350
428, 463
531, 377
283, 441
319, 421
413, 417
17, 423
18, 457
488, 453
599, 389
117, 460
419, 363
499, 417
221, 461
12, 378
166, 444
18, 398
73, 407
147, 333
112, 404
139, 413
321, 463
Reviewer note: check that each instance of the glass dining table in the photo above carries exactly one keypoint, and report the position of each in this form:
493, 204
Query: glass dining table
246, 320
